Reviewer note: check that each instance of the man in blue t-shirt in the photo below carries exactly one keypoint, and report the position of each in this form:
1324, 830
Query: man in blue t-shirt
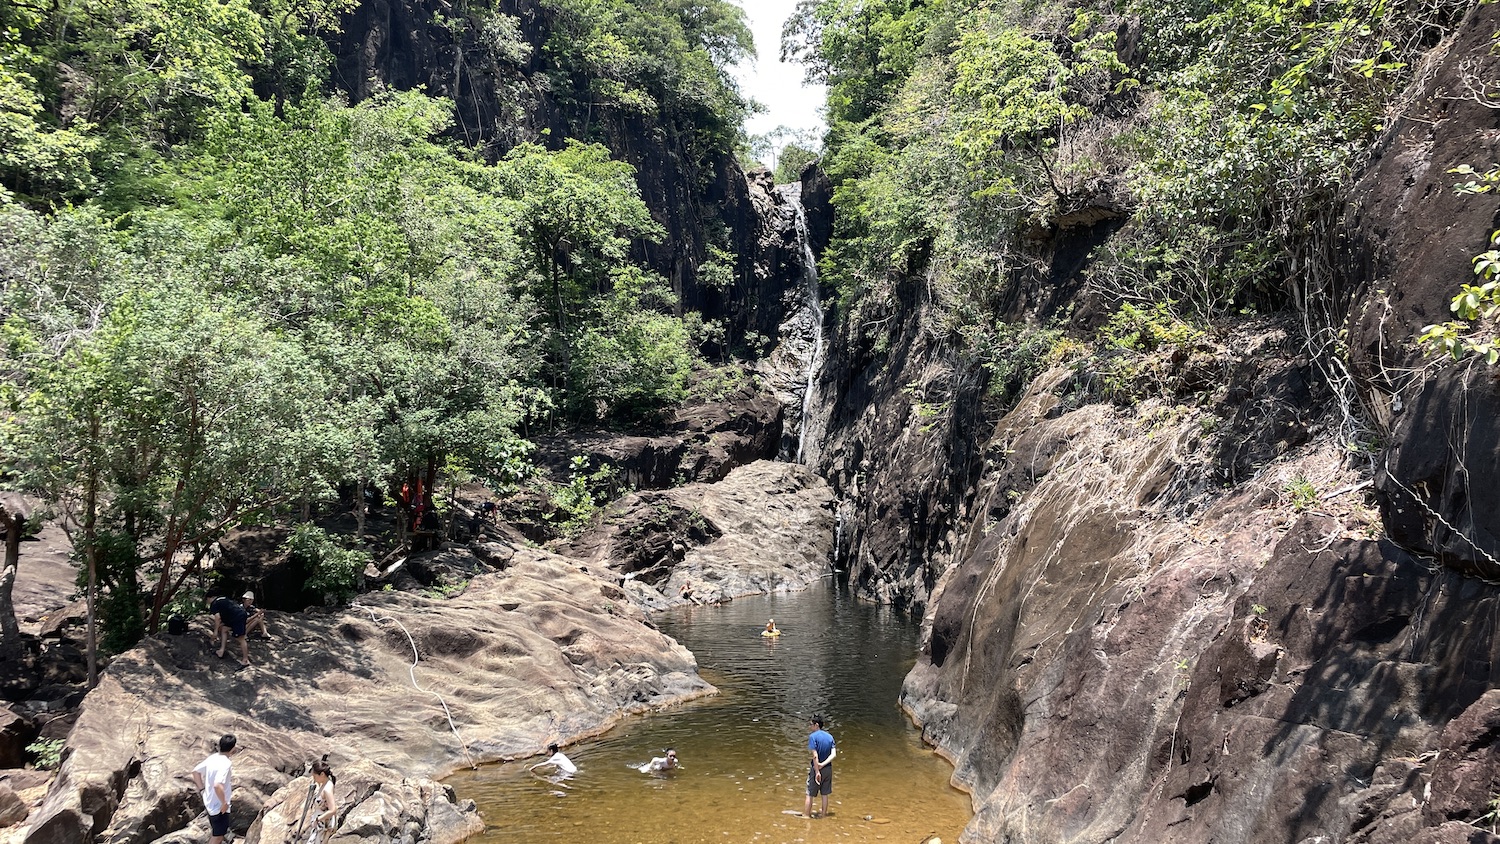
820, 773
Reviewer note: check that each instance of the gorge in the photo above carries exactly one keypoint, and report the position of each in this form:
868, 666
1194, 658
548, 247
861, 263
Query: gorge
1132, 417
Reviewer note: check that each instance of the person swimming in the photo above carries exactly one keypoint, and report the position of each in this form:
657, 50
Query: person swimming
770, 629
659, 764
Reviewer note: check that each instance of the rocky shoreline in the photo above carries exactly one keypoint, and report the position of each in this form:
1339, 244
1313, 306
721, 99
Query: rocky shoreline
530, 646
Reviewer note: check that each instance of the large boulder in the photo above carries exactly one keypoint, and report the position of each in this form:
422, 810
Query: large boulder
767, 527
729, 421
372, 810
539, 653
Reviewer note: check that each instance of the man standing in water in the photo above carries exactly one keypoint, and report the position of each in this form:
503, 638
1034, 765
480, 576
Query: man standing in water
820, 772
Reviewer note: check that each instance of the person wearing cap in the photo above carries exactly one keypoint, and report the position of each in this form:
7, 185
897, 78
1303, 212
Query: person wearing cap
255, 617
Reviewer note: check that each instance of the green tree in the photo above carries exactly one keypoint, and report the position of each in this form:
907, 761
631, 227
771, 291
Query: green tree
632, 357
184, 416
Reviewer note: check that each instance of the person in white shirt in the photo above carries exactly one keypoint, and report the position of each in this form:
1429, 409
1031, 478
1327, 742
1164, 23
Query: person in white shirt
557, 760
214, 779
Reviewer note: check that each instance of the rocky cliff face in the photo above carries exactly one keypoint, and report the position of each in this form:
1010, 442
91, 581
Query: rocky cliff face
1412, 243
1140, 627
504, 86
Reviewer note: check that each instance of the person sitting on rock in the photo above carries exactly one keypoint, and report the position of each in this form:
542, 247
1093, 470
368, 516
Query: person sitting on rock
659, 764
560, 763
230, 617
255, 617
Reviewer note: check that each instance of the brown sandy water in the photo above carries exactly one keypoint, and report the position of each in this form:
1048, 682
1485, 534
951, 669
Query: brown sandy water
743, 751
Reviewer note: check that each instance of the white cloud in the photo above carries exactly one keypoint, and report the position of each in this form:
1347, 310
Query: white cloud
775, 84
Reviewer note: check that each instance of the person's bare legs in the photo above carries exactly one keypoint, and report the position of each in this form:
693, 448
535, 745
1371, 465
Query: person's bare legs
807, 807
223, 640
245, 656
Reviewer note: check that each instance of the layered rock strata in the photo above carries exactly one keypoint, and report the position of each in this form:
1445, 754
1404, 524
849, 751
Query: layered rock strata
1123, 654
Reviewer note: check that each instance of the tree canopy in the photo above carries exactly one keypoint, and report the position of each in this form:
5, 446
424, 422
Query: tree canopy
227, 291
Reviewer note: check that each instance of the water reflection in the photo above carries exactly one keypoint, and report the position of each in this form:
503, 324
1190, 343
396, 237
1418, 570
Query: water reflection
743, 757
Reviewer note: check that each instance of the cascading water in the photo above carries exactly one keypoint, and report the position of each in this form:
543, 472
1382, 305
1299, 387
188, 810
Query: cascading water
806, 320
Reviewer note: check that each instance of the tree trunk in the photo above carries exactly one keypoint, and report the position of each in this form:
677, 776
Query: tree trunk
359, 510
10, 631
91, 552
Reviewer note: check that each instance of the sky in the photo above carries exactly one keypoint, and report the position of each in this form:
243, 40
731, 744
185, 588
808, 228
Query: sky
773, 84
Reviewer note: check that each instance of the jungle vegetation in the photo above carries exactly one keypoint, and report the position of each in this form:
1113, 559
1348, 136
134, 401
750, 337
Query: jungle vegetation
226, 290
1210, 139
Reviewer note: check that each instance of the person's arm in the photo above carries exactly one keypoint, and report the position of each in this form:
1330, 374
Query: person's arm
832, 752
222, 795
197, 780
817, 765
331, 810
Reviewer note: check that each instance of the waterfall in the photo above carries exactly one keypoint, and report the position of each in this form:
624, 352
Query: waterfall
811, 310
838, 533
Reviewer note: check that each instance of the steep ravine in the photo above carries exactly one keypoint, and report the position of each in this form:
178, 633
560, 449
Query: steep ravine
1138, 631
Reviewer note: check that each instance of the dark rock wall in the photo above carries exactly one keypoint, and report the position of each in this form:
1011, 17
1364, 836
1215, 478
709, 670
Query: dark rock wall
899, 448
1412, 243
1135, 633
503, 98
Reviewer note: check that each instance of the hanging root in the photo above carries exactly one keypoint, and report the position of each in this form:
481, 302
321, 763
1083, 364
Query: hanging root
412, 671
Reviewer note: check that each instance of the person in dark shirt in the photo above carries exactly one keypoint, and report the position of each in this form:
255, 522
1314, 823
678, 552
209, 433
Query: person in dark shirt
230, 617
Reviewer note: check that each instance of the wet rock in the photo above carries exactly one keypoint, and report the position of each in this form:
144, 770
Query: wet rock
817, 201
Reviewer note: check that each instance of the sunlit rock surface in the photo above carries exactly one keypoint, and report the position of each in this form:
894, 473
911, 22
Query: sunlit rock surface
541, 652
767, 527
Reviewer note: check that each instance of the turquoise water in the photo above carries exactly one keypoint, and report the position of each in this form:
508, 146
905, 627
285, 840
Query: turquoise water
743, 751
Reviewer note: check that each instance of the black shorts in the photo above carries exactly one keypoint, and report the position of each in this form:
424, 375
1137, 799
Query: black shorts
218, 825
815, 787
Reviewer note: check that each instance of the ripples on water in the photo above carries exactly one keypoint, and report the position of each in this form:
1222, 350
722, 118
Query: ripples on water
744, 751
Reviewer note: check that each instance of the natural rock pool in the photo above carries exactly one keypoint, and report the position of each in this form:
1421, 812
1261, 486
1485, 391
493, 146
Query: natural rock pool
743, 751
